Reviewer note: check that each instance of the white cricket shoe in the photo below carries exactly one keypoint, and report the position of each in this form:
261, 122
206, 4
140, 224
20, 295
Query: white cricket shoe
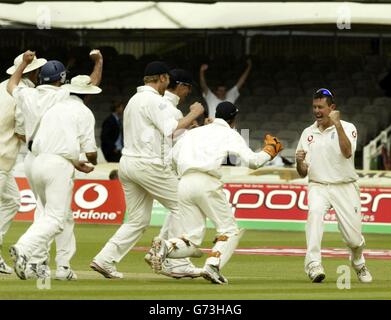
31, 271
178, 272
212, 274
65, 273
159, 252
316, 272
108, 270
4, 268
363, 273
148, 258
20, 261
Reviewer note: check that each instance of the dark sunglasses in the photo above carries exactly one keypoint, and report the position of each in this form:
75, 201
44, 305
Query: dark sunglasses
325, 92
184, 84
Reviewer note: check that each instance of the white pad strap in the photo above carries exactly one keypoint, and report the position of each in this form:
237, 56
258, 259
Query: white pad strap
182, 248
223, 250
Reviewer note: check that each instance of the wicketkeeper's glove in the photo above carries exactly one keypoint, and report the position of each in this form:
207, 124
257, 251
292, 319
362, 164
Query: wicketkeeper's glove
272, 145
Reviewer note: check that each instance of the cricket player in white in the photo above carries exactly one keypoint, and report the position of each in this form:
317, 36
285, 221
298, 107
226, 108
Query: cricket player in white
9, 148
198, 157
178, 89
66, 131
32, 105
326, 154
143, 170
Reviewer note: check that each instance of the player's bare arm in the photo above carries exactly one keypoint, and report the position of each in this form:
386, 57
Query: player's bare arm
301, 165
92, 157
196, 110
13, 82
344, 142
244, 75
203, 84
96, 75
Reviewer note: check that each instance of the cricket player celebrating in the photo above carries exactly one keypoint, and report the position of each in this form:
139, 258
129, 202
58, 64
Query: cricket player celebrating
66, 131
198, 157
178, 89
144, 171
326, 154
9, 147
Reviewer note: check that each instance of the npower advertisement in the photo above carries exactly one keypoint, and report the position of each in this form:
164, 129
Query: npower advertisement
102, 202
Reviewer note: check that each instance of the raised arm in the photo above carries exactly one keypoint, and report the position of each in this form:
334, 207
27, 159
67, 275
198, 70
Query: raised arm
203, 84
344, 142
196, 110
244, 75
96, 75
13, 82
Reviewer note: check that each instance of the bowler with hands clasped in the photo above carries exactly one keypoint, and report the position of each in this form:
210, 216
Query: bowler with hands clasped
326, 154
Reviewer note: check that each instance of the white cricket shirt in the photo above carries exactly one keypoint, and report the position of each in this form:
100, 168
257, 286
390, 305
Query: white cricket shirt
212, 101
326, 163
34, 102
67, 129
205, 148
147, 120
9, 143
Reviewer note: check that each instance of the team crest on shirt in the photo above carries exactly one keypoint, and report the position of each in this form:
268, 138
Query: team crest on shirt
354, 134
310, 139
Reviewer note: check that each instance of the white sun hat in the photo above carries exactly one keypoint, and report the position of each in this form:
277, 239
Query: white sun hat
82, 85
35, 64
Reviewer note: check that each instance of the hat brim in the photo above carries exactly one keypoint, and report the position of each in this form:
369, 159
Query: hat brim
82, 90
36, 64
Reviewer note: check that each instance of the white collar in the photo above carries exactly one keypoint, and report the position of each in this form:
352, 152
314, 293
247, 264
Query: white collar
147, 88
172, 97
28, 82
221, 122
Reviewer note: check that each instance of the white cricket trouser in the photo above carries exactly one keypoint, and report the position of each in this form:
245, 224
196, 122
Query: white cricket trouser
9, 202
52, 178
201, 196
65, 241
142, 183
345, 199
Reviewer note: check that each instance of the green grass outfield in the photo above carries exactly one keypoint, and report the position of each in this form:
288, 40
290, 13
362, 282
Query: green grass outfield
250, 276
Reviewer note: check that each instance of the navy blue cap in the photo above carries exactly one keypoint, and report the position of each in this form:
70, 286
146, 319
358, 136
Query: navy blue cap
181, 76
226, 110
156, 68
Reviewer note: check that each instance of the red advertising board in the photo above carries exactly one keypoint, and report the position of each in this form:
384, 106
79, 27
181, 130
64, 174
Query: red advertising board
102, 201
289, 202
94, 201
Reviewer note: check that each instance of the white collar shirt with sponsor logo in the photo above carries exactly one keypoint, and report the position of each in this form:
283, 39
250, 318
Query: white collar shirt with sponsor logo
147, 120
204, 149
326, 163
67, 129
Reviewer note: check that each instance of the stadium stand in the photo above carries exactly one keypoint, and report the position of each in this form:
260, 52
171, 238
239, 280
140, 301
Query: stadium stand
275, 98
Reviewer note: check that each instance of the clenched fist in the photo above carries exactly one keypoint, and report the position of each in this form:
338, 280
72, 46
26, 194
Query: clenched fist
96, 55
335, 117
197, 109
204, 67
28, 56
300, 155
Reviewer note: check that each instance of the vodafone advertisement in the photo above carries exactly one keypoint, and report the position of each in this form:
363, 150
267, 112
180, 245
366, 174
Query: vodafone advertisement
94, 201
102, 202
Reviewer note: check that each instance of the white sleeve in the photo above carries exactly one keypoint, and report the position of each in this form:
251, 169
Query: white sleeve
233, 94
87, 133
19, 121
162, 118
351, 133
23, 96
250, 158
